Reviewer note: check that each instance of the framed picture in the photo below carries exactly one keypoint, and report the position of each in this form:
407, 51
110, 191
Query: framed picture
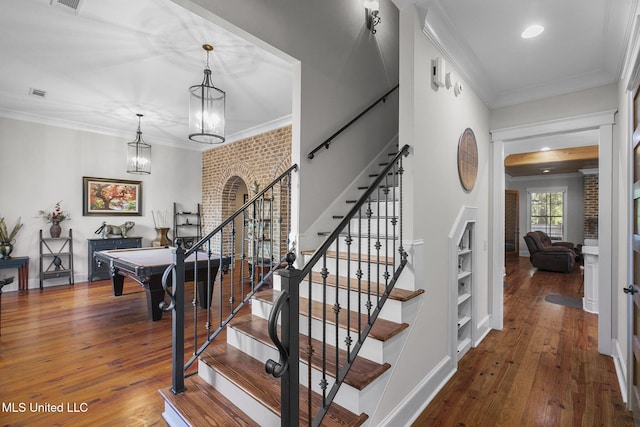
105, 196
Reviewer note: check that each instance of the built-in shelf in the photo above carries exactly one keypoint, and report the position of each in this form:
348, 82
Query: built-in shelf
463, 274
462, 241
463, 297
463, 320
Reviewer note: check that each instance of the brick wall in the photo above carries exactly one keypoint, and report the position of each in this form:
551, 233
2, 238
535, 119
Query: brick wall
590, 224
258, 159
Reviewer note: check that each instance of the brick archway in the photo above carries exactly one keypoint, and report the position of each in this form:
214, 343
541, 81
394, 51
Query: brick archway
219, 200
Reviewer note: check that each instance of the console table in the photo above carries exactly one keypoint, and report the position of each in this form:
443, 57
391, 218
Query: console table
22, 264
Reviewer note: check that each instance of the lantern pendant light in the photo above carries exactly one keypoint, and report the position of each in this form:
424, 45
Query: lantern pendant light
139, 154
206, 109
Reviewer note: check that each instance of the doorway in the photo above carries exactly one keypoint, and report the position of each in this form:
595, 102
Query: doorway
533, 137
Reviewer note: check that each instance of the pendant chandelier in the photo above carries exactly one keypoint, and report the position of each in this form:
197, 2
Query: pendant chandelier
139, 154
206, 109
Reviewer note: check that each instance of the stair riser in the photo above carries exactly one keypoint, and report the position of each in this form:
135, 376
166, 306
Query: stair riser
388, 245
372, 349
250, 406
356, 401
340, 269
384, 208
384, 224
348, 397
392, 309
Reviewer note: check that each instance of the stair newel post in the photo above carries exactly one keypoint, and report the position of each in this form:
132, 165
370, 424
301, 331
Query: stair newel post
177, 322
290, 332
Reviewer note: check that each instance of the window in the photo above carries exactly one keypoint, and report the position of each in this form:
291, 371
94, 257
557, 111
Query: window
546, 212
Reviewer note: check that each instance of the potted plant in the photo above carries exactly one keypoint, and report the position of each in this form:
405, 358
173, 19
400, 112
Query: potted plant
55, 216
8, 239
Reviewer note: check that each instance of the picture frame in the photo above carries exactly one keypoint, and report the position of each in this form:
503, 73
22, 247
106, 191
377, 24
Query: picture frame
111, 197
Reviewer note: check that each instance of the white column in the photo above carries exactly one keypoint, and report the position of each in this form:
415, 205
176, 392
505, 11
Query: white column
591, 273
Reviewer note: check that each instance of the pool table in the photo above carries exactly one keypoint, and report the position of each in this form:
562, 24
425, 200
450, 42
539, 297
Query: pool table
147, 265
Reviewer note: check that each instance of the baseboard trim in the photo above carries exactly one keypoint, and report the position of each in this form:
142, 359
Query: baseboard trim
482, 330
415, 402
621, 369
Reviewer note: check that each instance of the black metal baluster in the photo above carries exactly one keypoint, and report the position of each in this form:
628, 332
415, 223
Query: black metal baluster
310, 349
380, 217
323, 381
369, 214
348, 339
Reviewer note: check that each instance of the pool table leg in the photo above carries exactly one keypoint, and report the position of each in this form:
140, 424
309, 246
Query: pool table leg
154, 297
205, 293
118, 282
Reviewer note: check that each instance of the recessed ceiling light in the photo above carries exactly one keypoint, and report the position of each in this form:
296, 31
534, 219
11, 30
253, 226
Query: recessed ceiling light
532, 31
545, 149
545, 170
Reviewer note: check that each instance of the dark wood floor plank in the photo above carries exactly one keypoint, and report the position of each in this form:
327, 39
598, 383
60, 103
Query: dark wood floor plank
542, 369
83, 345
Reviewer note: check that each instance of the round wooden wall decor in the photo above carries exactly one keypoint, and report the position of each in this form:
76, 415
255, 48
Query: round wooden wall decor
467, 159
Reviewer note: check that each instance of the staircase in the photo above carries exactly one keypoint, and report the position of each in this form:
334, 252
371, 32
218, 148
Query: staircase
339, 298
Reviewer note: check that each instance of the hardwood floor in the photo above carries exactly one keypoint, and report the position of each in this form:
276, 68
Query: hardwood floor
90, 351
82, 349
542, 369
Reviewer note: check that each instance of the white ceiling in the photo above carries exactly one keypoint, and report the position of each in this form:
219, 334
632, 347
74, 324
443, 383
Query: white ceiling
583, 45
116, 58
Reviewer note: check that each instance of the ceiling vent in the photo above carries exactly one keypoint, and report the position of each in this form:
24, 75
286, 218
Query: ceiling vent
68, 5
37, 92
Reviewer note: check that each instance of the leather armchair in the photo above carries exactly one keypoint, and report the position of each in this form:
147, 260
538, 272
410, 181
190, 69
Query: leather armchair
546, 256
546, 240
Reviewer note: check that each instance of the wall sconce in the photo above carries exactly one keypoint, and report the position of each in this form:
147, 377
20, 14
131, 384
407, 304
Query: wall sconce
139, 154
372, 10
206, 109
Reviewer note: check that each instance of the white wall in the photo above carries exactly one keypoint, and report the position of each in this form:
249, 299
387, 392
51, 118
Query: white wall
574, 183
44, 164
587, 101
431, 122
340, 69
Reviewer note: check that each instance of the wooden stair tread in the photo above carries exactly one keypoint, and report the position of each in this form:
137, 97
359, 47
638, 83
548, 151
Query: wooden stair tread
203, 406
249, 374
376, 288
362, 373
354, 257
382, 329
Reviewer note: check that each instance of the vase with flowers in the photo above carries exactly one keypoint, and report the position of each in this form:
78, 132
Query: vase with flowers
55, 216
7, 239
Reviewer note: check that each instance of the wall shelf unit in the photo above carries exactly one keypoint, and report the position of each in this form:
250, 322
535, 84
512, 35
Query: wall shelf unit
462, 242
56, 257
258, 244
187, 225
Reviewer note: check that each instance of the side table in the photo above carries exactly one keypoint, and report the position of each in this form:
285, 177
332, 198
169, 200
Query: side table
22, 264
